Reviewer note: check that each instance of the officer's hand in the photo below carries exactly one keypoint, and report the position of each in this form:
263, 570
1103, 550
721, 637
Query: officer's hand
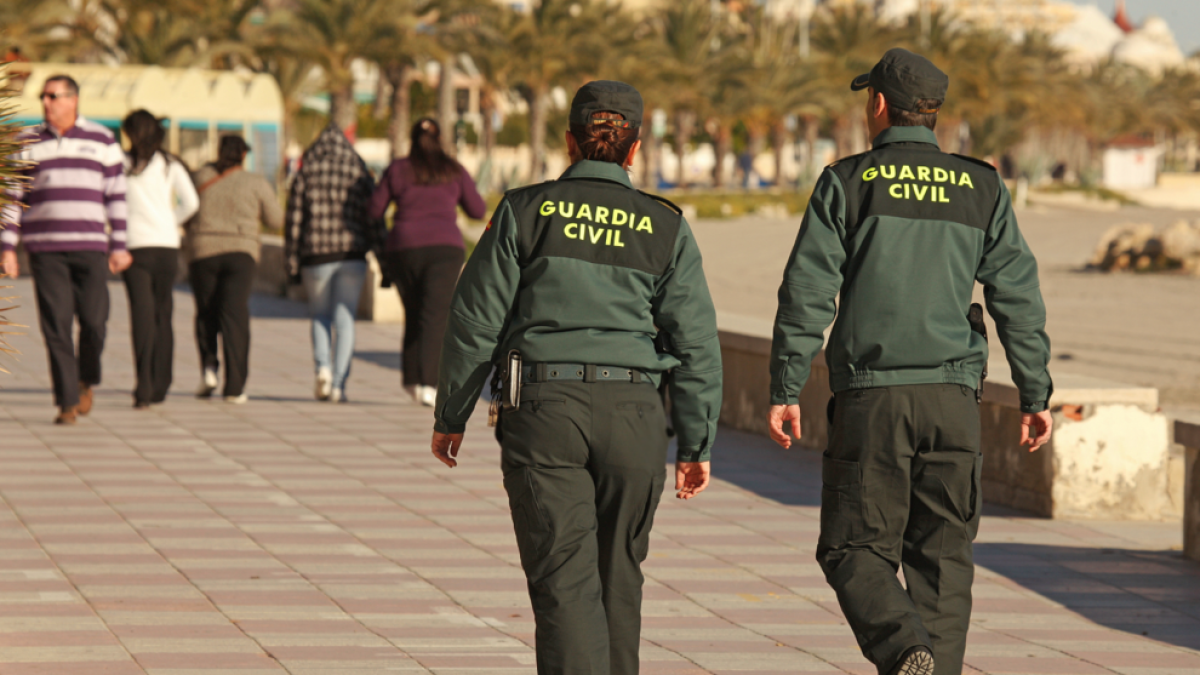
691, 478
775, 420
119, 261
9, 261
445, 447
1039, 424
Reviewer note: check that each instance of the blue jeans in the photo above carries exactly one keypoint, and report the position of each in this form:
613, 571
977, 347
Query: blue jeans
333, 290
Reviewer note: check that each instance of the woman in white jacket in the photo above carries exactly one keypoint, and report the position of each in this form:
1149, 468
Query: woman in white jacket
160, 196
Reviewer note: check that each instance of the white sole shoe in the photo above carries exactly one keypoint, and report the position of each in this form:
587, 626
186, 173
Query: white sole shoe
337, 396
208, 383
237, 400
427, 395
324, 384
918, 661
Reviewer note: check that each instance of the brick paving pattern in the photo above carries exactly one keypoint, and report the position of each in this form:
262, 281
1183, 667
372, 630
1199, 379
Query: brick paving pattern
292, 536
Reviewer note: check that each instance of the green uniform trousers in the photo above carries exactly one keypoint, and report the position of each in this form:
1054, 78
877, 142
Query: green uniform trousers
584, 466
900, 487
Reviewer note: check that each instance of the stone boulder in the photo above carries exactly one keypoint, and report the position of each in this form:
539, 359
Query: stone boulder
1143, 248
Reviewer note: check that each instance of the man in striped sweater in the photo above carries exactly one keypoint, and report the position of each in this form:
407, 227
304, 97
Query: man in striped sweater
74, 231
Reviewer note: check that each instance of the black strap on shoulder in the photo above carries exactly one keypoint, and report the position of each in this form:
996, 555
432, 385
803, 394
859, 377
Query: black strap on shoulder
664, 201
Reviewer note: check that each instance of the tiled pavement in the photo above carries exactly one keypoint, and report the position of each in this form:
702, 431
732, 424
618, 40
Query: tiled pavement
287, 535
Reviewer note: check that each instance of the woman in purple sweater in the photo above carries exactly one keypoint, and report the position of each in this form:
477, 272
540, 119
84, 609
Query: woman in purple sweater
424, 252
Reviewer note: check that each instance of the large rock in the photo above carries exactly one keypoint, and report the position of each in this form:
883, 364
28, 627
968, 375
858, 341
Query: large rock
1140, 247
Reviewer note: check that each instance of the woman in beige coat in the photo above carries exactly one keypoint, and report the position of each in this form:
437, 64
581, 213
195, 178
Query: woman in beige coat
224, 248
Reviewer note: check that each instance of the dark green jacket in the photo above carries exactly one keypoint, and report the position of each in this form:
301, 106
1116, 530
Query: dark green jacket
903, 232
582, 270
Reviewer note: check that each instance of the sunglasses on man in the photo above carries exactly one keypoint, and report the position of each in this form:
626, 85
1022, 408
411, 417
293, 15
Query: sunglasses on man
54, 96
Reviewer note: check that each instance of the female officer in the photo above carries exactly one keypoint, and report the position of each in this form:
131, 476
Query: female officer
575, 275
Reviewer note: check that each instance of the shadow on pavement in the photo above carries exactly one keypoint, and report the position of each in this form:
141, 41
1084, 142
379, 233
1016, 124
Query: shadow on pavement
1150, 593
388, 359
757, 464
272, 307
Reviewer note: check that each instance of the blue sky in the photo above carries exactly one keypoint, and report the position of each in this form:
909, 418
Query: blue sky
1182, 15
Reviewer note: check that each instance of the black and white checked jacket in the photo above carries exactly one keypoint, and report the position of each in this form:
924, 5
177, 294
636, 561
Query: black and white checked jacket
327, 209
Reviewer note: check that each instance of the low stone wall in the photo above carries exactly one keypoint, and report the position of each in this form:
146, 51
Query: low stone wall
1187, 434
1109, 456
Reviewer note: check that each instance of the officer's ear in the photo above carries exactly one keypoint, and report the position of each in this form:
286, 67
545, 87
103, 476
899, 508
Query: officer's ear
573, 148
633, 150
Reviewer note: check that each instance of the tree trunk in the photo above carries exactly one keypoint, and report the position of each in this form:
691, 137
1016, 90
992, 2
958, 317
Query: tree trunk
537, 135
723, 144
812, 130
341, 106
382, 95
778, 138
683, 132
447, 113
648, 158
400, 78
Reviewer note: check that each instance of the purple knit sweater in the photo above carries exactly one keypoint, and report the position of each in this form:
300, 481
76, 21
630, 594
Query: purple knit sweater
425, 214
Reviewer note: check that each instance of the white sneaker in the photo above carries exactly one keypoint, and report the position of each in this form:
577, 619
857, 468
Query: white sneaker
427, 395
324, 384
208, 383
237, 400
337, 396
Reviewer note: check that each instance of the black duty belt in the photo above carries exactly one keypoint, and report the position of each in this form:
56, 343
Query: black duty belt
548, 372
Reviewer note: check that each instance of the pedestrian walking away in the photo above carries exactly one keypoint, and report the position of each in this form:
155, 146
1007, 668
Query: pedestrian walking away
327, 235
425, 247
160, 197
902, 233
564, 293
74, 233
224, 246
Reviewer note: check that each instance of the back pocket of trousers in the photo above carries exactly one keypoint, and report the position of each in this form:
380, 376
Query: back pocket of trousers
531, 525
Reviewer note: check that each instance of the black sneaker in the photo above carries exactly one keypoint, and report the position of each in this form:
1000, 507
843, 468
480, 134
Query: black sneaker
916, 661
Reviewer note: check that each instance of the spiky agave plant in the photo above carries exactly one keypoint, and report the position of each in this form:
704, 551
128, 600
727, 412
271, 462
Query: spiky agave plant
11, 177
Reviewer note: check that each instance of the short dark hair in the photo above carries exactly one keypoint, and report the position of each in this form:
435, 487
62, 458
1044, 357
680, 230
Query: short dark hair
906, 118
231, 152
72, 85
605, 142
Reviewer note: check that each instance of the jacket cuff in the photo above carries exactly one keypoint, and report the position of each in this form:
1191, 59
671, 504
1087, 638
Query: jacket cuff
784, 399
1034, 407
444, 428
692, 455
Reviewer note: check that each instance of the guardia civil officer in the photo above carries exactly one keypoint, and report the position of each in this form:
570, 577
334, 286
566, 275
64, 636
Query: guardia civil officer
575, 277
902, 233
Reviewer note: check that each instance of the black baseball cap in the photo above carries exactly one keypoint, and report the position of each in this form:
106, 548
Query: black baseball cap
606, 96
904, 78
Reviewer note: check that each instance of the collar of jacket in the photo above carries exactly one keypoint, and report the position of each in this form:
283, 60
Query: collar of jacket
586, 168
905, 135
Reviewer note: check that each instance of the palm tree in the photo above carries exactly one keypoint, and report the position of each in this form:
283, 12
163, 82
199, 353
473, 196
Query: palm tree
11, 180
332, 34
560, 43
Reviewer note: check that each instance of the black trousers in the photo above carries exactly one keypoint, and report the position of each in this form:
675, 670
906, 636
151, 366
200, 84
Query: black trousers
221, 284
584, 466
149, 282
900, 487
425, 278
70, 285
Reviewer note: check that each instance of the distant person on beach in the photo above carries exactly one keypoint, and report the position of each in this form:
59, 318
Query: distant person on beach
224, 246
328, 233
161, 196
74, 232
425, 252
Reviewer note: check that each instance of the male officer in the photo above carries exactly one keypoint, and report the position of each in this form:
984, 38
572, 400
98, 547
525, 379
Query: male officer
578, 275
903, 232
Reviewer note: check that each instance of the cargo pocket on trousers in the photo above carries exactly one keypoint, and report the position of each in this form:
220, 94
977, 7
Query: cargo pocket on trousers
976, 495
841, 502
640, 542
529, 523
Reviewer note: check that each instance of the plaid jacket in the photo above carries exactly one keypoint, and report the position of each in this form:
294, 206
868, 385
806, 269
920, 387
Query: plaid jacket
327, 203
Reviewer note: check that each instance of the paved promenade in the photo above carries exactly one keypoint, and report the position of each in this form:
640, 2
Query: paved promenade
291, 536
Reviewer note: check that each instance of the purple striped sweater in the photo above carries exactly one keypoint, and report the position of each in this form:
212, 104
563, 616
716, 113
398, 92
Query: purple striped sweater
77, 185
